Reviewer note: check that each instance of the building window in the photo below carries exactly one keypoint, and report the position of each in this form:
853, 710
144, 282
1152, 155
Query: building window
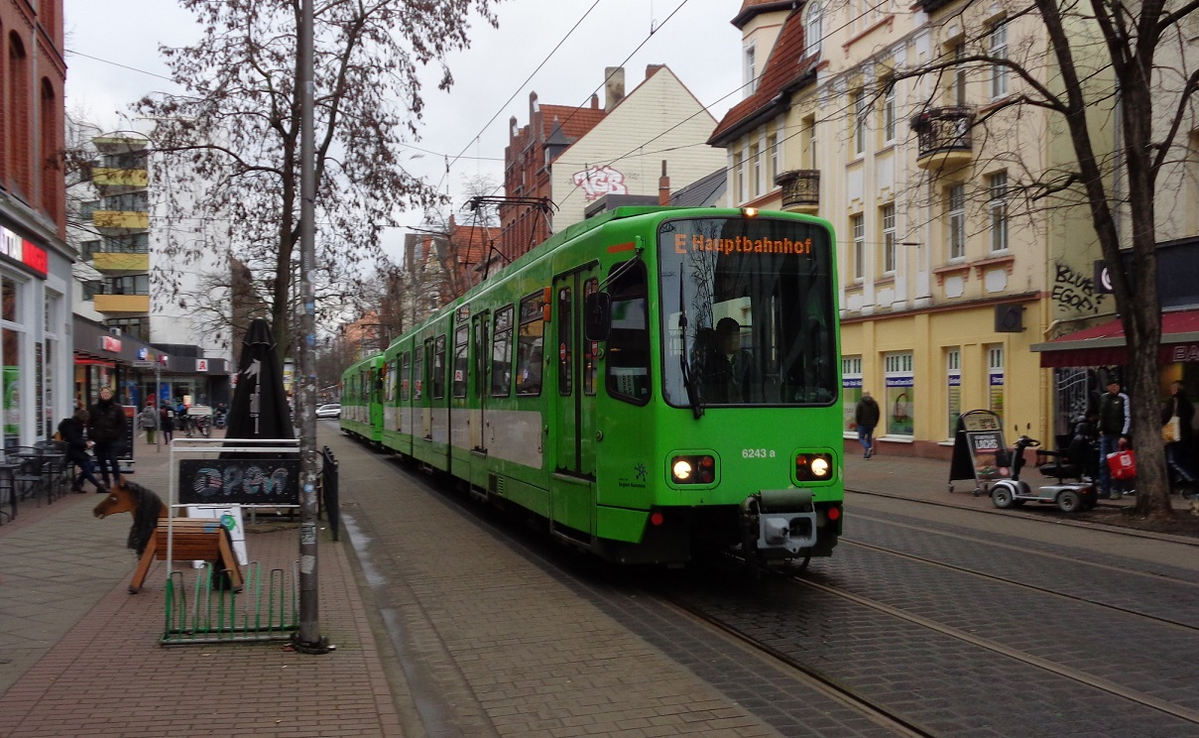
756, 174
959, 75
857, 224
888, 218
772, 145
859, 122
851, 392
953, 377
750, 70
995, 378
889, 113
997, 207
813, 27
899, 378
739, 177
998, 50
956, 197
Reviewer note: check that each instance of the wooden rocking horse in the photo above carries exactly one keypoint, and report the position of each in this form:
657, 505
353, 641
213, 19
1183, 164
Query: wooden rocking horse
197, 539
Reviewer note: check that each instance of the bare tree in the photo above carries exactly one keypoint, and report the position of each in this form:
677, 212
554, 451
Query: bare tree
1097, 68
230, 142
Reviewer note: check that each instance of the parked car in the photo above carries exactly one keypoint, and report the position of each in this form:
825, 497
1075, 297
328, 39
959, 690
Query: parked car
329, 411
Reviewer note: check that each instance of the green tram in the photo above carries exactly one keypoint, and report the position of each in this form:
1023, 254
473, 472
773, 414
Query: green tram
361, 403
649, 381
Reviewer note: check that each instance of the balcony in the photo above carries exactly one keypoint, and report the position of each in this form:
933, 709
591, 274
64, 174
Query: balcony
123, 303
126, 220
943, 137
119, 179
801, 190
121, 262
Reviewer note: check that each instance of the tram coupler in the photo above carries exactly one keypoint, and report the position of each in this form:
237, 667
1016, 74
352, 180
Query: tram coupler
782, 519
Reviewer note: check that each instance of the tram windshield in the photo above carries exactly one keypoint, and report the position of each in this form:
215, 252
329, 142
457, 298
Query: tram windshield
748, 314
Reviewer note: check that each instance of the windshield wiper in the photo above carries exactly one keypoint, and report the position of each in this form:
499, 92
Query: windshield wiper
694, 394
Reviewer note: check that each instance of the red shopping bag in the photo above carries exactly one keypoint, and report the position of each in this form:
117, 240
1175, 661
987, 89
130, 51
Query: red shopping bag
1123, 464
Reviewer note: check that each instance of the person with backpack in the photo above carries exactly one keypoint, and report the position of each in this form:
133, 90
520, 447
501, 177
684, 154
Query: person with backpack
166, 422
72, 432
866, 416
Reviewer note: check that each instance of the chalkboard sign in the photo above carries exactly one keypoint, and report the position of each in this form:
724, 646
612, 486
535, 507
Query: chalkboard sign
247, 481
125, 452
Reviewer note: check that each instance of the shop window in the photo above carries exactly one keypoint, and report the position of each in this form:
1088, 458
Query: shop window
851, 389
901, 394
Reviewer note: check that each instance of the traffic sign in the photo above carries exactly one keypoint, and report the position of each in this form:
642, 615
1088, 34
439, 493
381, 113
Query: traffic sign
143, 365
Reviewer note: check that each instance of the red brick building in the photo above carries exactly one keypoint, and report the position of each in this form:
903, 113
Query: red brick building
528, 162
35, 261
33, 75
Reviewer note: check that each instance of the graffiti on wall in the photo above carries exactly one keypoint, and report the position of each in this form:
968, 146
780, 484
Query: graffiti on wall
600, 181
1075, 292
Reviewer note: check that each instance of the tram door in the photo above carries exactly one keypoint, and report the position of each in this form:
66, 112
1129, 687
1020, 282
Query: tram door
576, 375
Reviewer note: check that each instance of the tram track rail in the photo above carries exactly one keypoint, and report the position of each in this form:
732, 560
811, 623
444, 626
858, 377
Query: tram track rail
1059, 670
1033, 587
1028, 515
806, 675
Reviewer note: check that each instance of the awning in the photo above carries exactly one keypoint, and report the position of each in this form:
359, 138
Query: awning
1103, 345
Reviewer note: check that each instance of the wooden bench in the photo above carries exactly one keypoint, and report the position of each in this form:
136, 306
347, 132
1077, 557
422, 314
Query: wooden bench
193, 539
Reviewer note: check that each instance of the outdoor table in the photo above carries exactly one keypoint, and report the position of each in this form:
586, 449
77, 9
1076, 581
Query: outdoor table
8, 487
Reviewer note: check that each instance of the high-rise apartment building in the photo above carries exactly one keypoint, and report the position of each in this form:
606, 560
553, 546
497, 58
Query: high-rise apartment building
144, 300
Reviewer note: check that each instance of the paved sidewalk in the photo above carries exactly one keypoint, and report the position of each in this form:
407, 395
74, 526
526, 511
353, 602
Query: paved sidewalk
80, 656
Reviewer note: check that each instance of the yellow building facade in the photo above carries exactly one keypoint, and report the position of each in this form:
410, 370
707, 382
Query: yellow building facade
948, 273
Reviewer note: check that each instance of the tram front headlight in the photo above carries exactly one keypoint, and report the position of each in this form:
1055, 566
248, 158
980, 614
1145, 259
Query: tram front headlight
813, 467
693, 469
681, 470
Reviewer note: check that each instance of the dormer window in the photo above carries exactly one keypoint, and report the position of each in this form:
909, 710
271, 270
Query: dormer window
813, 27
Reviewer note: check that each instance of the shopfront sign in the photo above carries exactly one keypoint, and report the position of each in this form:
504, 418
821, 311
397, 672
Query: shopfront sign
201, 365
111, 343
23, 251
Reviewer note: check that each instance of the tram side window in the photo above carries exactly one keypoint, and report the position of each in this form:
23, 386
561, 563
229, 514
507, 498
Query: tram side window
405, 376
392, 384
628, 341
461, 339
529, 347
501, 353
418, 368
480, 354
439, 369
590, 366
565, 349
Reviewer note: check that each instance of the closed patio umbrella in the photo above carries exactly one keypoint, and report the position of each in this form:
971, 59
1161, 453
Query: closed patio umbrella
259, 407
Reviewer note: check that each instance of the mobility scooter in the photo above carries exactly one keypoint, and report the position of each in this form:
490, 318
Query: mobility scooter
1072, 462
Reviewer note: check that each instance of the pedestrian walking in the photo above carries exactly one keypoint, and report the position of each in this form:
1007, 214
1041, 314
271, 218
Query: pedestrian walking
72, 431
1177, 413
166, 421
866, 415
148, 419
1115, 418
106, 425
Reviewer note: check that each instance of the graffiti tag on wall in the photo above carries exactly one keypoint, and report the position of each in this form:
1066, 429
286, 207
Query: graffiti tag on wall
1073, 291
600, 181
244, 481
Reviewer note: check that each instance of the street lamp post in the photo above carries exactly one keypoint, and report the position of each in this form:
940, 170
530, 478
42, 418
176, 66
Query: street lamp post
308, 638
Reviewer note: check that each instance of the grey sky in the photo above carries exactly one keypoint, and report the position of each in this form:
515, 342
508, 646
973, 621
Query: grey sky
698, 43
